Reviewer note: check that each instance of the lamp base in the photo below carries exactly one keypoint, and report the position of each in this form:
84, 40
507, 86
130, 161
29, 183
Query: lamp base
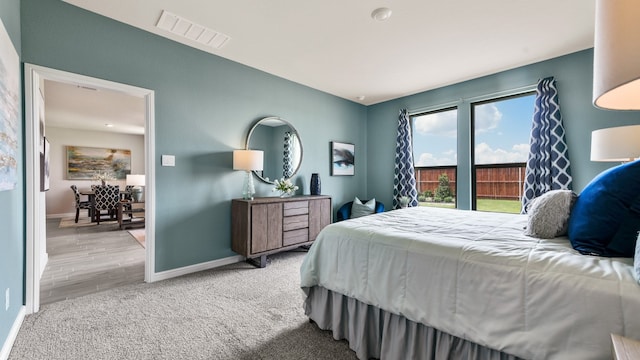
136, 194
248, 189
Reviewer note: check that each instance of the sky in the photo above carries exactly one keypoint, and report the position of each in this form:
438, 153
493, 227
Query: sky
502, 131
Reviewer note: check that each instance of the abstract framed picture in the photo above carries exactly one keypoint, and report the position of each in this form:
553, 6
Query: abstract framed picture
10, 109
342, 158
44, 165
85, 163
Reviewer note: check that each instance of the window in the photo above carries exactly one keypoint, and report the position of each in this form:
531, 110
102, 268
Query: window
501, 130
435, 142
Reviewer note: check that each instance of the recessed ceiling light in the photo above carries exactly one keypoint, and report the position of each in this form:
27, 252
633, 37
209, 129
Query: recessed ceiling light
108, 125
86, 87
361, 97
381, 14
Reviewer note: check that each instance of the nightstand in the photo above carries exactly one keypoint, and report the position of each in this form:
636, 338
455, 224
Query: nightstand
624, 348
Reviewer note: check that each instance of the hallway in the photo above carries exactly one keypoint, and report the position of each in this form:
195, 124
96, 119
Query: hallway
89, 259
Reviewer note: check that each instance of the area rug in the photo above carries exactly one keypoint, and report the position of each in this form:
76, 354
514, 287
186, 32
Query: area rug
139, 235
85, 221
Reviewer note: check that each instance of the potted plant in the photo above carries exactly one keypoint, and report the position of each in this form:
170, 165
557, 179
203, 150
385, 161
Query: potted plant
285, 187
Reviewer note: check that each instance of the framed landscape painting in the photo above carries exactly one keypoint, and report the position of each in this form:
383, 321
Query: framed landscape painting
10, 108
342, 158
86, 163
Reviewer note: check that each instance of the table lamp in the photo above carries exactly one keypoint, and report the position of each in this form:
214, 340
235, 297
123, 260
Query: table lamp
137, 181
248, 160
616, 50
620, 143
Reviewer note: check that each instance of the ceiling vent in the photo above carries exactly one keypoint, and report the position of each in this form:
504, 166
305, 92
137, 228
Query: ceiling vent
190, 30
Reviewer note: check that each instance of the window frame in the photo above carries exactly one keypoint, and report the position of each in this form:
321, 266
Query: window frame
472, 137
456, 167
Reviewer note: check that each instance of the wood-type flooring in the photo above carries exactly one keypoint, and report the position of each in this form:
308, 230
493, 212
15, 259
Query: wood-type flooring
89, 259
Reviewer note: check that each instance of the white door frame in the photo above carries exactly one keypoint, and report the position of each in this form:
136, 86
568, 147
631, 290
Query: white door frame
35, 234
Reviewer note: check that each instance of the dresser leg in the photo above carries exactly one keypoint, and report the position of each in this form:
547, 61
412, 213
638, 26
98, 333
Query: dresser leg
260, 262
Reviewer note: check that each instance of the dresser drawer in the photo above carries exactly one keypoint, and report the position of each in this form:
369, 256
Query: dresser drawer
296, 208
295, 236
295, 222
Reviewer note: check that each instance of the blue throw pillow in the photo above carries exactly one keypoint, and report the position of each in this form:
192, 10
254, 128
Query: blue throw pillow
605, 219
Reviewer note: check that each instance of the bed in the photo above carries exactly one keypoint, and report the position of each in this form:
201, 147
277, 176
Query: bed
429, 283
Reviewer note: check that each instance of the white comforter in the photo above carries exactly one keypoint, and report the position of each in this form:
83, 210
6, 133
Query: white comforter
476, 275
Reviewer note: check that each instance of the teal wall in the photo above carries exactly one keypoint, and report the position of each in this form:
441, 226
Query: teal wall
204, 107
574, 77
12, 208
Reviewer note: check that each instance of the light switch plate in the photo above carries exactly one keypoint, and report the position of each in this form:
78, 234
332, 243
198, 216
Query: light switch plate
168, 160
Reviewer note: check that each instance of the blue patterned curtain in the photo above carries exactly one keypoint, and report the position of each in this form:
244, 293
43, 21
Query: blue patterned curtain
404, 182
287, 159
548, 166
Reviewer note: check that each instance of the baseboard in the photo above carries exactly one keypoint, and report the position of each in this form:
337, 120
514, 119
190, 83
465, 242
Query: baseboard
44, 259
168, 274
13, 334
60, 216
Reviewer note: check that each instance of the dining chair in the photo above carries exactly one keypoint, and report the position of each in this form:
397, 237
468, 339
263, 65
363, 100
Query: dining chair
106, 199
127, 195
128, 190
80, 204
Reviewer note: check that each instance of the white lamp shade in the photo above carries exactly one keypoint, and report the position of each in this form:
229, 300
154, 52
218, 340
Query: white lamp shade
620, 143
248, 160
135, 180
616, 60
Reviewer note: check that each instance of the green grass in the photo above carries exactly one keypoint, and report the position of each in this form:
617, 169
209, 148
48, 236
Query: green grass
440, 205
504, 206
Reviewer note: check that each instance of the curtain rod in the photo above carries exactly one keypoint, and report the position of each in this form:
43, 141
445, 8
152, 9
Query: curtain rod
515, 91
434, 107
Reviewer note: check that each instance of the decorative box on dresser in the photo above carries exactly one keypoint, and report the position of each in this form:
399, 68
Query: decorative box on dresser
268, 225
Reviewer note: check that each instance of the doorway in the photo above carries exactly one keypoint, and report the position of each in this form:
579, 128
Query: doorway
36, 256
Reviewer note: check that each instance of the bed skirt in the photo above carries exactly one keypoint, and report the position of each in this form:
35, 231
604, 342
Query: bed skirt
375, 333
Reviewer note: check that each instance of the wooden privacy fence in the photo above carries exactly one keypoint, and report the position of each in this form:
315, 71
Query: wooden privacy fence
495, 181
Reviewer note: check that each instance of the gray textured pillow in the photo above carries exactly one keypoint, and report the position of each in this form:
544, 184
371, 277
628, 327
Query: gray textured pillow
359, 209
549, 214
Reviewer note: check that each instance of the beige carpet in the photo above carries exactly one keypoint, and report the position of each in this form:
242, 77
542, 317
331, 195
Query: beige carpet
233, 312
139, 235
83, 221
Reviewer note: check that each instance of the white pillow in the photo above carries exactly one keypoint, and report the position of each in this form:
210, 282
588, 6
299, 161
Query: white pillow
549, 214
359, 209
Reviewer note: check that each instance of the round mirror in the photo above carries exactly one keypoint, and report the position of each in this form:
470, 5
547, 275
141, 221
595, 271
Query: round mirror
281, 145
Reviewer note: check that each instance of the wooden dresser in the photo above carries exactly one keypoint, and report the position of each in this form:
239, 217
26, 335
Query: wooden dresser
269, 225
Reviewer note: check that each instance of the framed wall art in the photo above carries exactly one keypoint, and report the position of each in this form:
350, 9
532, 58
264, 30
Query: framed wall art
44, 165
342, 158
10, 109
90, 163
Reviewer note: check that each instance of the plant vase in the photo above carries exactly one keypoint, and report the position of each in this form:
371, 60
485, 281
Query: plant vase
315, 184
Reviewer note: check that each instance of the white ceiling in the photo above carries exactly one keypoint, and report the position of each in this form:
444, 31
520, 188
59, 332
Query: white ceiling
336, 47
78, 107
